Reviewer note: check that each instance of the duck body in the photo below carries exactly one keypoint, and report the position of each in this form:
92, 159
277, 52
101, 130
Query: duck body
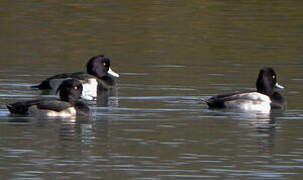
55, 81
47, 107
89, 83
99, 76
67, 106
244, 101
261, 100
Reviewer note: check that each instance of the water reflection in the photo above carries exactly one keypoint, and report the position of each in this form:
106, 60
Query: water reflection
164, 137
149, 148
108, 98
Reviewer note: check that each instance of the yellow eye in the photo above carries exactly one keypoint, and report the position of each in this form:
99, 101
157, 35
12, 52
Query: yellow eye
76, 88
274, 77
104, 64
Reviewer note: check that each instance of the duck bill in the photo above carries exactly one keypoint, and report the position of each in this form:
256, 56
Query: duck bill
88, 98
278, 86
111, 72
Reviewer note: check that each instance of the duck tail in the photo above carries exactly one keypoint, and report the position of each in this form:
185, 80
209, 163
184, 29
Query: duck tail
11, 108
204, 100
35, 86
211, 103
42, 85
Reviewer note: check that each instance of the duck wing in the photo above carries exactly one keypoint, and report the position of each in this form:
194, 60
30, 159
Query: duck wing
45, 104
22, 106
219, 101
56, 80
54, 105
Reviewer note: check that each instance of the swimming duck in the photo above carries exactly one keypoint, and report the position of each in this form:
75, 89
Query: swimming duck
68, 105
99, 74
263, 99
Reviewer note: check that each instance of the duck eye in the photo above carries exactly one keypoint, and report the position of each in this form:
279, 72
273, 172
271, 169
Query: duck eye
76, 88
104, 64
274, 77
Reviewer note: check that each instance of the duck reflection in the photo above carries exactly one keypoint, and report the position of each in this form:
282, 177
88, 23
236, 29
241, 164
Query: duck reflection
256, 129
65, 137
108, 98
263, 129
258, 120
83, 138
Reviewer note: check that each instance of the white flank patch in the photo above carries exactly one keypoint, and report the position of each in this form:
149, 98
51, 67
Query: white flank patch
69, 112
89, 91
253, 101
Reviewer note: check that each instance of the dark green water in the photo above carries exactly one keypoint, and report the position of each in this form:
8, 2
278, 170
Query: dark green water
169, 54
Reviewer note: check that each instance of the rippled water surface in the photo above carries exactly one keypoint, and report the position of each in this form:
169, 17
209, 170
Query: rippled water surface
169, 54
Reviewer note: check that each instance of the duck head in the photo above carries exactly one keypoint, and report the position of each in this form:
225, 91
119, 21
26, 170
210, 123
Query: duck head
70, 90
99, 66
267, 81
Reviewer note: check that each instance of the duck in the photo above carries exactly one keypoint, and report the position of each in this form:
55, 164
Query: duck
68, 105
99, 75
263, 99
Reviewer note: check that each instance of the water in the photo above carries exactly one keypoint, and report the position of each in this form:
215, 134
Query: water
169, 54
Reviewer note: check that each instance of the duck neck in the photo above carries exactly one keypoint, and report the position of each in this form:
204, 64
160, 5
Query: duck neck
67, 97
266, 92
99, 75
94, 68
264, 87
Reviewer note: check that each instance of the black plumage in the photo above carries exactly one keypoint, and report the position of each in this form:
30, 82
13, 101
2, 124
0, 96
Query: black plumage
69, 91
98, 67
266, 82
